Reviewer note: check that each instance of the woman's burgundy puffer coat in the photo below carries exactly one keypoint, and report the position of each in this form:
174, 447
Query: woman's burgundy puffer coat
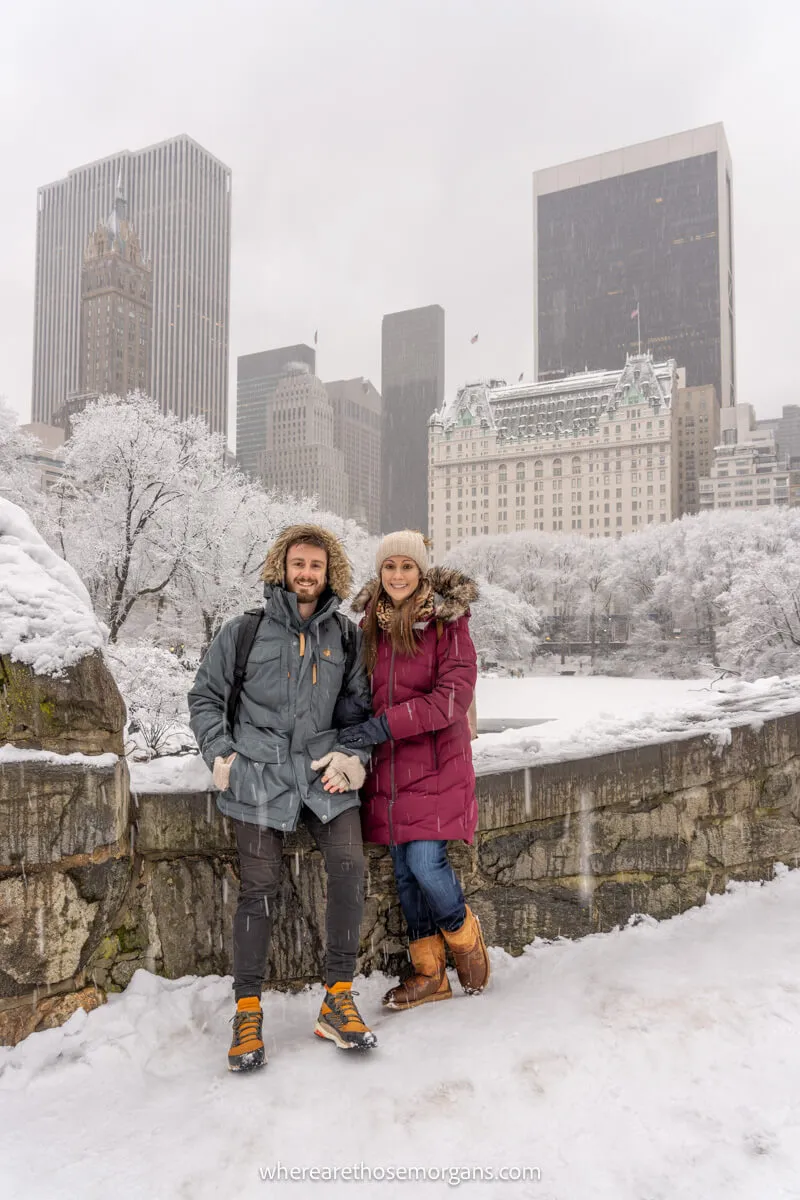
421, 785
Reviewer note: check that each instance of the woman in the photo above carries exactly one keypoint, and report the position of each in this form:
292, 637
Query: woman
420, 792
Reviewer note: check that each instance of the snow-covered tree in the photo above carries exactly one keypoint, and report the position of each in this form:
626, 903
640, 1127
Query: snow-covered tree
762, 605
18, 478
504, 627
128, 513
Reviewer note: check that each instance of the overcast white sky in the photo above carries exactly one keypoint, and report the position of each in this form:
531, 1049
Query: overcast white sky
382, 152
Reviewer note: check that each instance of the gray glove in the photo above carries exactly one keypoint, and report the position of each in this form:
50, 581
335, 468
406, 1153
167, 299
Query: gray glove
344, 773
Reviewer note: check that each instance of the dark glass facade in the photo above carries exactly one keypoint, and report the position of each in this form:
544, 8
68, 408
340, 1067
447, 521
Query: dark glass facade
649, 237
412, 387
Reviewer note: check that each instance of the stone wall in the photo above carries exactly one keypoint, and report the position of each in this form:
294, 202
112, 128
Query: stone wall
94, 885
562, 850
65, 859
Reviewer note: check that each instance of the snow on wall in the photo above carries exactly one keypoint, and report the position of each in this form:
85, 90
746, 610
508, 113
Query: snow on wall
46, 617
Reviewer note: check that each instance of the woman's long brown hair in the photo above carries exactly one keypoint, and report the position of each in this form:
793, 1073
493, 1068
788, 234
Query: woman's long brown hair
402, 635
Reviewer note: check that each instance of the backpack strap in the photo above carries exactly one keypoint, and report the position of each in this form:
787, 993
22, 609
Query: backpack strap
245, 636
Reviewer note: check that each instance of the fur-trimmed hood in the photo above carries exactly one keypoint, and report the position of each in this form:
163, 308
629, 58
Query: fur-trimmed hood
340, 573
455, 593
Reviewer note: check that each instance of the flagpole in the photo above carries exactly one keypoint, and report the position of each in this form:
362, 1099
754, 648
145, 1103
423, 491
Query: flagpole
639, 326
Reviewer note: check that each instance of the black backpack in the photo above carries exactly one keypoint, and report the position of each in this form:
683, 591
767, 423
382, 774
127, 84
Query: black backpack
246, 635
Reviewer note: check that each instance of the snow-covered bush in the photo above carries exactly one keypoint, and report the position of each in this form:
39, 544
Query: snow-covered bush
154, 684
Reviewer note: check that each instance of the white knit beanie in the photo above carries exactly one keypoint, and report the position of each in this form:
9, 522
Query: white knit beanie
406, 543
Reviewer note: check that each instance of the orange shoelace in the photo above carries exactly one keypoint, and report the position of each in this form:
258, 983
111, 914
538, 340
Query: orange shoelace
347, 1007
245, 1026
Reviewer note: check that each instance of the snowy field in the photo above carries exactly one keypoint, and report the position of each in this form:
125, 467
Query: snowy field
658, 1062
586, 715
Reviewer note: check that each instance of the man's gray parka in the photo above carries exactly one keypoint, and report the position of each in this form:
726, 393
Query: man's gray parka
295, 675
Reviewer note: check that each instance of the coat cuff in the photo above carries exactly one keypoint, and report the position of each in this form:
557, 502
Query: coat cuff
221, 747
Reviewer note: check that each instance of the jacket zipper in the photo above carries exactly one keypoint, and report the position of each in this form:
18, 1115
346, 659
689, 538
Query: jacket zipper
392, 788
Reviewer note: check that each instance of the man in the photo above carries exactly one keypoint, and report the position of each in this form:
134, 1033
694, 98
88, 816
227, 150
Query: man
268, 767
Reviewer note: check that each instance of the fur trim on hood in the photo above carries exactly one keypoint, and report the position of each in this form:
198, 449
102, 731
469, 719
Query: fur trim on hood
454, 593
340, 573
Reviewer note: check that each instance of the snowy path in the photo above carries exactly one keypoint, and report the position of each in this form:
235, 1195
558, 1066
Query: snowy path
656, 1063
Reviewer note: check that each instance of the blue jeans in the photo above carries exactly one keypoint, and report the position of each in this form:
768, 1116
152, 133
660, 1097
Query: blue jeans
430, 894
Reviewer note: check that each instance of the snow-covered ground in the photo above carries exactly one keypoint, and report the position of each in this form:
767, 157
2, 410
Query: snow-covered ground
582, 715
592, 715
658, 1062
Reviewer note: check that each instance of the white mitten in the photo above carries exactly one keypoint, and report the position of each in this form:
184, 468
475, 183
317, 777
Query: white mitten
222, 771
341, 767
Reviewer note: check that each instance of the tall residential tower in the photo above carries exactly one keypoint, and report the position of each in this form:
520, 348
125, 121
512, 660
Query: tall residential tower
179, 202
412, 388
638, 241
257, 377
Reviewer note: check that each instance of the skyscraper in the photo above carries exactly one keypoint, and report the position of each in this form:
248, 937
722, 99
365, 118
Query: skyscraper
638, 240
116, 308
179, 201
303, 459
257, 377
412, 388
356, 406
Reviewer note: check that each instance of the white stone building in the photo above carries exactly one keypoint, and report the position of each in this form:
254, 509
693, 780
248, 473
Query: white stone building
591, 454
747, 471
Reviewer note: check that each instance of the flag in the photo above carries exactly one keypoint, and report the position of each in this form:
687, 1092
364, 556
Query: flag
316, 332
473, 339
635, 312
520, 376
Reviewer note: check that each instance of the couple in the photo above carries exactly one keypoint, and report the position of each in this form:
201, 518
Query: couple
288, 716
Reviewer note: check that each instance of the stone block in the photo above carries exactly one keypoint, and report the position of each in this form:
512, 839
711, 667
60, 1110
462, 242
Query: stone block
175, 823
754, 837
45, 926
554, 789
780, 739
689, 763
34, 1015
50, 811
80, 710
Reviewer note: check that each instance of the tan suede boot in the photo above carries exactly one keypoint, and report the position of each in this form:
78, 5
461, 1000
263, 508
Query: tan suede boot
469, 954
429, 981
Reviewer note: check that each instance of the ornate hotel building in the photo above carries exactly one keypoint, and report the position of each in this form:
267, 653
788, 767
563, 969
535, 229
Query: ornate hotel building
592, 454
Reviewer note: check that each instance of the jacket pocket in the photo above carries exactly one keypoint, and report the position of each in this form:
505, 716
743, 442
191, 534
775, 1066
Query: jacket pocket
266, 679
246, 782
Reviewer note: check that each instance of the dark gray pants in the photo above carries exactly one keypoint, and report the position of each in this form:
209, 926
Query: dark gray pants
260, 857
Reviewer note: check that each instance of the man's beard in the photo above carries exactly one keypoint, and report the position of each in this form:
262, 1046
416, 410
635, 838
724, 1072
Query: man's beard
307, 592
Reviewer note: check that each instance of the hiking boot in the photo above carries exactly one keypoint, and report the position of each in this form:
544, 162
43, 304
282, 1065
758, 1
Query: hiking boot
247, 1048
429, 981
469, 954
340, 1021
